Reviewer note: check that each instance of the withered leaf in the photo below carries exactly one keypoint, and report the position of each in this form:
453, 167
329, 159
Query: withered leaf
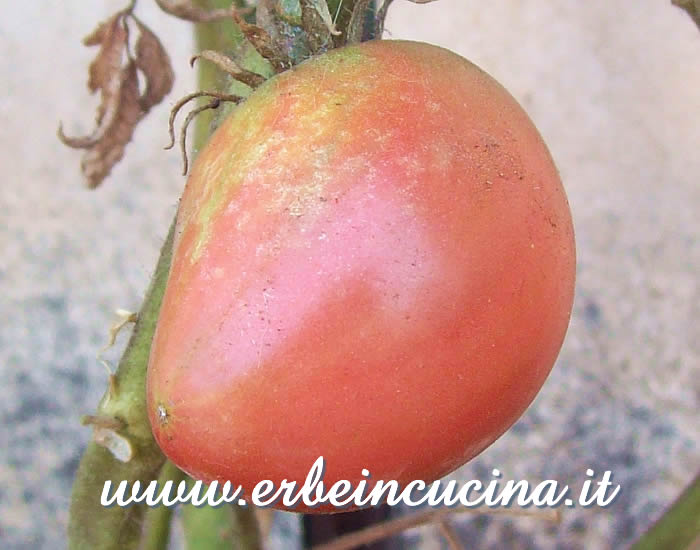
190, 11
153, 61
691, 6
99, 159
111, 36
321, 7
263, 43
230, 67
115, 74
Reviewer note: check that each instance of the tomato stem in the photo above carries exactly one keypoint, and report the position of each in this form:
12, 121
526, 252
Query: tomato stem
220, 528
123, 448
156, 528
92, 525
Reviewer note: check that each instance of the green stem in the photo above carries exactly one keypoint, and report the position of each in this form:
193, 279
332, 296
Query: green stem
222, 36
223, 527
122, 415
246, 528
92, 526
208, 528
156, 529
679, 527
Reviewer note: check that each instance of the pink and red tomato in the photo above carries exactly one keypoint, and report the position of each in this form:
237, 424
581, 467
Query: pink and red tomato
374, 263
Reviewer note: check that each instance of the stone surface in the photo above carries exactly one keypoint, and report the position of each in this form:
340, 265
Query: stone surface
613, 89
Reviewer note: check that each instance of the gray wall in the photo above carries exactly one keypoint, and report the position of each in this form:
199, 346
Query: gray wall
614, 89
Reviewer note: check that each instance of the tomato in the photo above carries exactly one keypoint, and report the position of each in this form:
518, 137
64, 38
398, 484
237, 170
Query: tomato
374, 263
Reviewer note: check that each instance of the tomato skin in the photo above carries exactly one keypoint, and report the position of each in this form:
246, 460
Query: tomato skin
374, 263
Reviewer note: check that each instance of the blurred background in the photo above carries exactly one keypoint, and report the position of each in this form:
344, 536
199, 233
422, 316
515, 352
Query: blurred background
614, 87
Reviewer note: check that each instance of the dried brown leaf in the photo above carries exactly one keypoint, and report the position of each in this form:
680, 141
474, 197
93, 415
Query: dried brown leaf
217, 98
103, 155
113, 41
318, 25
115, 75
321, 8
222, 61
104, 71
190, 11
97, 37
153, 61
690, 6
263, 43
76, 142
229, 66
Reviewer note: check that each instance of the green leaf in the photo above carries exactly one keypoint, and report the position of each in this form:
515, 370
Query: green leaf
679, 527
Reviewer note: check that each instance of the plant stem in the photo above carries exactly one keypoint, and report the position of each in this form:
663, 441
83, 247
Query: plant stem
220, 528
91, 525
219, 36
122, 416
156, 528
226, 526
222, 36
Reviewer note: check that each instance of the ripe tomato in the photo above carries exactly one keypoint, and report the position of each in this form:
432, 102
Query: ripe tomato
374, 263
